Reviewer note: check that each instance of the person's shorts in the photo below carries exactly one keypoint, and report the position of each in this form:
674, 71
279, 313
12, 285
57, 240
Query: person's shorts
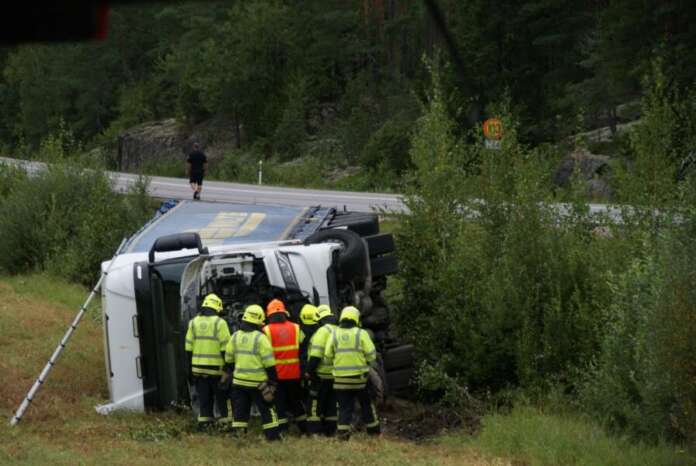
196, 178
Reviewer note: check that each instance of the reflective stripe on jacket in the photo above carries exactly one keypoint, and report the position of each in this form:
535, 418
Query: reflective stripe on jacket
317, 346
206, 338
351, 350
285, 339
251, 354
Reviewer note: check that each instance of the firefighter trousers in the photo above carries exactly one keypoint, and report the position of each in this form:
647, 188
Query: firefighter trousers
346, 401
242, 399
289, 400
322, 409
210, 395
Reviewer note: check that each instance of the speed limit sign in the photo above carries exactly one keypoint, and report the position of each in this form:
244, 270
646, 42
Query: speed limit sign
493, 129
493, 132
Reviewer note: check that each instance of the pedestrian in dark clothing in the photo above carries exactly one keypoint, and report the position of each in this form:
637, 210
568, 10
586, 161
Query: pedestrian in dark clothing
196, 169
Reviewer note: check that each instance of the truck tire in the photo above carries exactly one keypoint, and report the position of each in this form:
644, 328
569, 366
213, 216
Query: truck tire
360, 223
377, 318
384, 265
398, 358
380, 244
377, 386
400, 380
352, 261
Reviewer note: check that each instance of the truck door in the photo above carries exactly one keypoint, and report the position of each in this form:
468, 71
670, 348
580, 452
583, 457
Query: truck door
162, 333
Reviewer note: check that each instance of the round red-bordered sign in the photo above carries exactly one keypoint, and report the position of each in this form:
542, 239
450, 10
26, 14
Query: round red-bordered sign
493, 129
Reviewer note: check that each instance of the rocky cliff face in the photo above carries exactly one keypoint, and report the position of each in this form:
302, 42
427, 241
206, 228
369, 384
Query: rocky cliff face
592, 168
167, 141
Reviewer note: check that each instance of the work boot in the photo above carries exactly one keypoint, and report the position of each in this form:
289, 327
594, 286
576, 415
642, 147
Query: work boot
205, 426
302, 426
273, 434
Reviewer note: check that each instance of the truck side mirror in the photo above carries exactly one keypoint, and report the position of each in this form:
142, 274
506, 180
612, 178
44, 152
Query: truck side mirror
176, 242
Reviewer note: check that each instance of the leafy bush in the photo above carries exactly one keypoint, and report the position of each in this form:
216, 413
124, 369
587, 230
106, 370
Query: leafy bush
290, 132
9, 178
387, 150
496, 289
499, 290
66, 220
644, 377
236, 166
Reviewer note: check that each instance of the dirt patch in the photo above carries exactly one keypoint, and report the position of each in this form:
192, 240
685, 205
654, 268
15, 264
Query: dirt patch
417, 422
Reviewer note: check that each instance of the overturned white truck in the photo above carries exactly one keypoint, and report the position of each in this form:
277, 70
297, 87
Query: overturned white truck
247, 254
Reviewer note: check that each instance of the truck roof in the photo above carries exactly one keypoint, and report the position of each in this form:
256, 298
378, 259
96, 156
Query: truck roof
222, 223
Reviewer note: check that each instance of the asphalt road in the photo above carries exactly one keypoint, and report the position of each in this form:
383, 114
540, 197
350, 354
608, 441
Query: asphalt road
178, 188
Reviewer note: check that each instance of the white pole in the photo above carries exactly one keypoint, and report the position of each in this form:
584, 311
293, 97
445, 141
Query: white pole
260, 171
61, 346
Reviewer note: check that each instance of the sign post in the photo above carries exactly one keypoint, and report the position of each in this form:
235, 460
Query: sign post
493, 132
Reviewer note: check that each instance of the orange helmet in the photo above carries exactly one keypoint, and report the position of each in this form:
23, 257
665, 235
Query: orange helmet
275, 306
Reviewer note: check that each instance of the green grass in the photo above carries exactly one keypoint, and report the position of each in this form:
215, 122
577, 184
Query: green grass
45, 287
533, 437
62, 427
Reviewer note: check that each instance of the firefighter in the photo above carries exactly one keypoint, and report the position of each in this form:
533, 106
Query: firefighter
309, 323
319, 374
285, 338
351, 350
206, 338
249, 359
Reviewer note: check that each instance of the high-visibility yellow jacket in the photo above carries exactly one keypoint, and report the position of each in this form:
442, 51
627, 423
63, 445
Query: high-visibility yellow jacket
351, 350
251, 353
317, 346
206, 338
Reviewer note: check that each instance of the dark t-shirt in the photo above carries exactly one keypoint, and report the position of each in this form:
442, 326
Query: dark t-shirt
197, 159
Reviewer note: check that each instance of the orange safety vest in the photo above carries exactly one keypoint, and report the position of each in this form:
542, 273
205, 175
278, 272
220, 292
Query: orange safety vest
285, 339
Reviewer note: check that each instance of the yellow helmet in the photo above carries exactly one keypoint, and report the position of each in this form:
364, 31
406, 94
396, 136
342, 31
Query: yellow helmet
308, 314
351, 313
213, 302
253, 314
323, 310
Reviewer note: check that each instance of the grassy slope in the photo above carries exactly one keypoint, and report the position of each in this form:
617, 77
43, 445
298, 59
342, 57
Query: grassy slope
63, 427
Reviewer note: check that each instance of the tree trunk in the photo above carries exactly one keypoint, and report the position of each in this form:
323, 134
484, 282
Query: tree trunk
612, 120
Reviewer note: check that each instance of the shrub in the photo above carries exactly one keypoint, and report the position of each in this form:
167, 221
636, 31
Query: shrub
389, 146
66, 220
497, 290
10, 177
290, 132
644, 378
236, 166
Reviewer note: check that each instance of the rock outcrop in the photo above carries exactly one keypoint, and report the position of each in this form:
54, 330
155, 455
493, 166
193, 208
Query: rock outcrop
168, 141
592, 168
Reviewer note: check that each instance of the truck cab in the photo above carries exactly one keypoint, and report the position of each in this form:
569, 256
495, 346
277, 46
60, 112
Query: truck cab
247, 254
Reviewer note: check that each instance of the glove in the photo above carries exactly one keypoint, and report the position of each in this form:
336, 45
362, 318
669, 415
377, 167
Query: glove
225, 382
267, 391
